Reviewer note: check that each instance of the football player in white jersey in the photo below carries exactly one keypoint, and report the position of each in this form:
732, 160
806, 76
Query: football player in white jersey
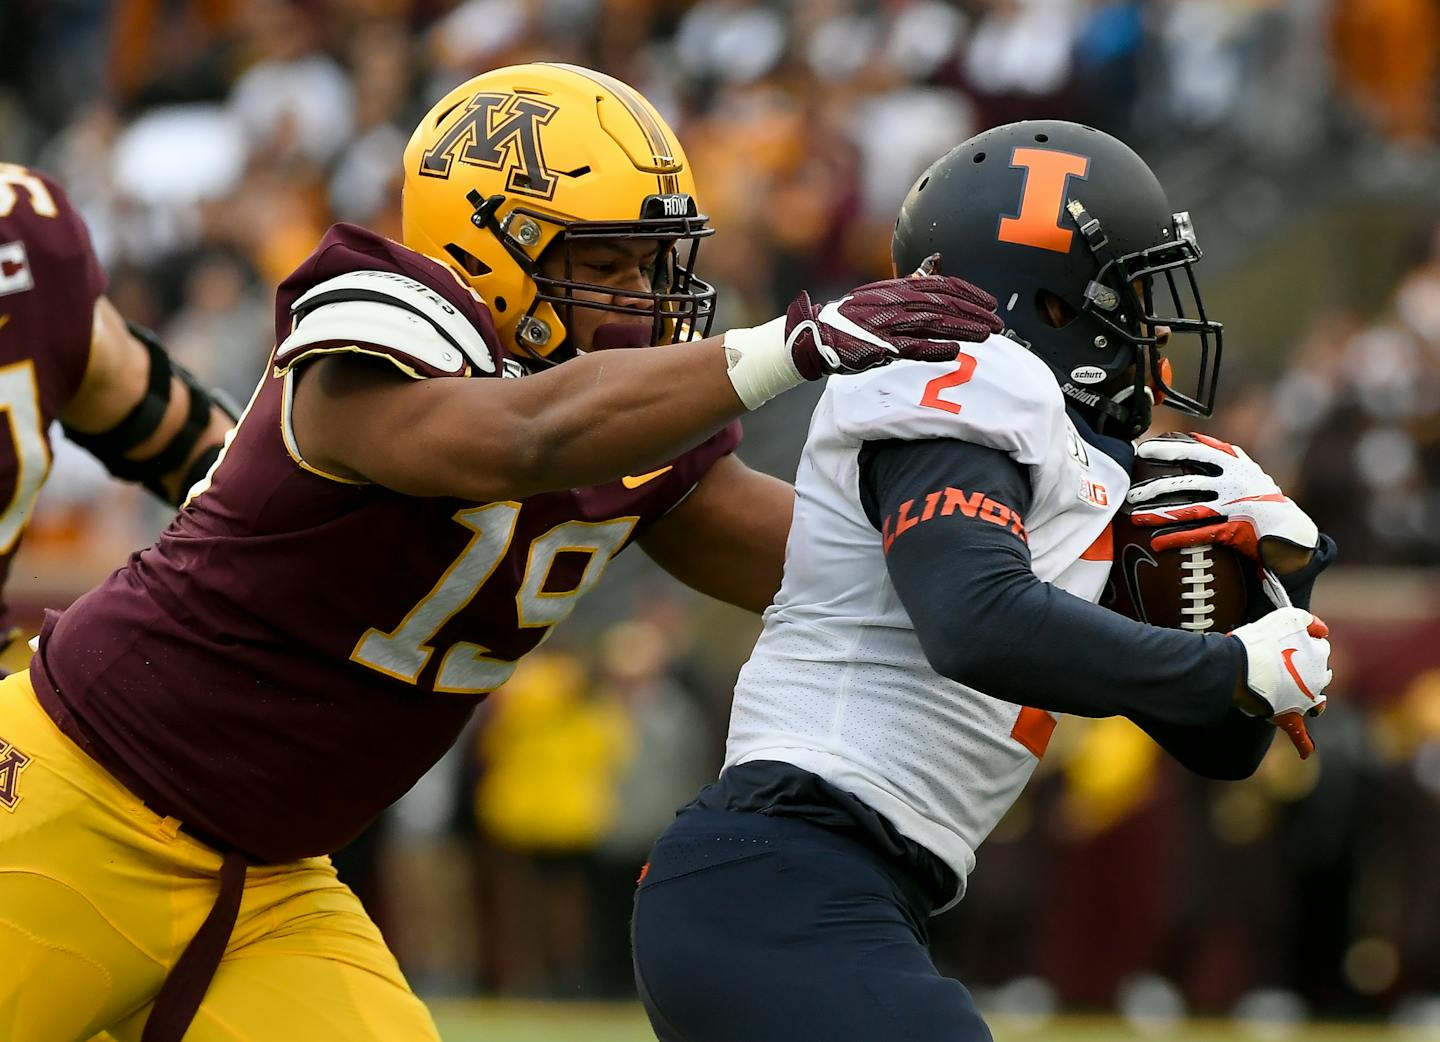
950, 539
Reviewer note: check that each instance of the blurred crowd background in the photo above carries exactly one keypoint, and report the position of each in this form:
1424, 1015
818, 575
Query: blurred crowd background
209, 143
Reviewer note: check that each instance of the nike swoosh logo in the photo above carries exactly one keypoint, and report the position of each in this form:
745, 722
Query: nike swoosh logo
4, 319
1287, 654
640, 479
1132, 558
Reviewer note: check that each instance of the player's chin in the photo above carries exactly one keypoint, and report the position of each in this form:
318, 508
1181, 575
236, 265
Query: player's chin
615, 335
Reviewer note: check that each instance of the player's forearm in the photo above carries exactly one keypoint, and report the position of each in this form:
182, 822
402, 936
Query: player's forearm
989, 623
591, 420
727, 539
611, 413
144, 417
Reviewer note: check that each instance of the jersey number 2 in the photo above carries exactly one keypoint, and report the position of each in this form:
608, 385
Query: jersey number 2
961, 374
466, 668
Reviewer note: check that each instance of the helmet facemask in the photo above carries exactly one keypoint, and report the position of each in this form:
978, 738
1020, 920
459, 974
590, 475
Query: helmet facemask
677, 307
1121, 300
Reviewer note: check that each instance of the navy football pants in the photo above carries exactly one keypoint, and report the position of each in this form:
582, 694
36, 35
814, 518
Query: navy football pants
752, 928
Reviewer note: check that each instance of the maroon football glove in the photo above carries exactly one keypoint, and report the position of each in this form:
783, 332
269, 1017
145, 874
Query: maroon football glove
918, 317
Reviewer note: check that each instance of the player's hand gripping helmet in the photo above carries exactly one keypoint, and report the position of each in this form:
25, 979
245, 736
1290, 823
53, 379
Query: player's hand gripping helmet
530, 158
1072, 234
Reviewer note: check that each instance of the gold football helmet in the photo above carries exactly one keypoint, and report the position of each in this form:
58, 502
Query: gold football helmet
529, 158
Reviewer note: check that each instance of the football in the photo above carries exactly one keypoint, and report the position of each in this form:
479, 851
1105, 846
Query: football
1200, 588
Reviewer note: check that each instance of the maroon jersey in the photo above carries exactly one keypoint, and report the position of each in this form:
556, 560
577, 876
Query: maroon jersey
49, 281
297, 650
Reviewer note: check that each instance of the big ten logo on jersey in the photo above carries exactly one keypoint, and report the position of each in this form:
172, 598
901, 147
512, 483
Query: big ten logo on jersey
15, 274
1090, 491
495, 131
1093, 492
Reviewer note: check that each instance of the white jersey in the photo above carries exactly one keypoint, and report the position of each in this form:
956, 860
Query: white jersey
838, 684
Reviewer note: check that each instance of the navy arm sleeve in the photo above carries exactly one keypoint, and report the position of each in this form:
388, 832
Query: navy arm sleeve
962, 569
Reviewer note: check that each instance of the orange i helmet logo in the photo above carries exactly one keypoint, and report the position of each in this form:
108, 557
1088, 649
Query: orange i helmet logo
12, 762
1042, 197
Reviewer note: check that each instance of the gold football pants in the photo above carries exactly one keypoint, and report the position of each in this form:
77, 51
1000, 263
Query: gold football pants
99, 896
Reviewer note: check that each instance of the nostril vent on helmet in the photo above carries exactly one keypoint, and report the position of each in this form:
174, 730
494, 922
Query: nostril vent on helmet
471, 264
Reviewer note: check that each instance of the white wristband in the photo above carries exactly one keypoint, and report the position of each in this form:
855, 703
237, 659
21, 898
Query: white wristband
760, 362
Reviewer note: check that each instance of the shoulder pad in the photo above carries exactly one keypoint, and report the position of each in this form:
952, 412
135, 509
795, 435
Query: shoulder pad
1006, 399
385, 313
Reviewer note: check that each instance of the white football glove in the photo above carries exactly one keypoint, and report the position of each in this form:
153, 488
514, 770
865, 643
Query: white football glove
1243, 503
1288, 668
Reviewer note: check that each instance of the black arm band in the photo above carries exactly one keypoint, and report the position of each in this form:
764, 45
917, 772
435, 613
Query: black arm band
141, 422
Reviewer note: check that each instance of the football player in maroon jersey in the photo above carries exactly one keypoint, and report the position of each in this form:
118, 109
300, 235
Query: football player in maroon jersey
65, 353
438, 463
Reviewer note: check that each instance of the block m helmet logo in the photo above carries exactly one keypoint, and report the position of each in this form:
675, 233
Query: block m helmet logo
496, 131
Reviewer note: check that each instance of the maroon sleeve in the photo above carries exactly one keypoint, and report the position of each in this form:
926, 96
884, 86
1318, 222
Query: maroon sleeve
50, 278
693, 465
671, 485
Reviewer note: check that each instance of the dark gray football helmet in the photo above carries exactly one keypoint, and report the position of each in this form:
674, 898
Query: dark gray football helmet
1046, 209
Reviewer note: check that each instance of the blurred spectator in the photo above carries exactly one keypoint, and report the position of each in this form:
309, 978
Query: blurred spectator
295, 101
737, 41
672, 755
219, 333
423, 858
552, 751
1017, 60
1387, 56
1403, 839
